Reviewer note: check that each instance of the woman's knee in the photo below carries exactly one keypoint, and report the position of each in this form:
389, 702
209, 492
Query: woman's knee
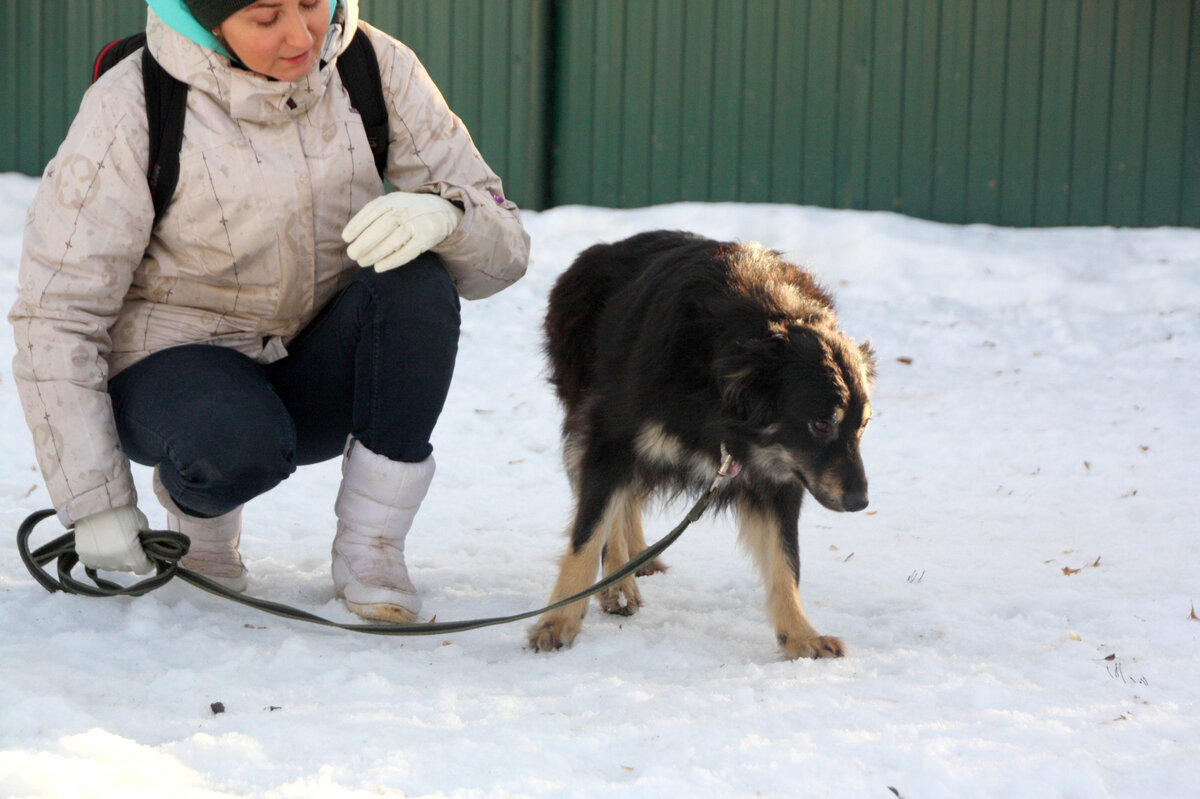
420, 291
243, 449
209, 421
215, 476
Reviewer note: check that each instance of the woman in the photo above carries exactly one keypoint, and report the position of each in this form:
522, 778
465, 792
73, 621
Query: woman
283, 311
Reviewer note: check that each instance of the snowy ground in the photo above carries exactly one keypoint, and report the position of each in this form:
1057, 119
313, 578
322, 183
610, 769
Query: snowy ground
1017, 602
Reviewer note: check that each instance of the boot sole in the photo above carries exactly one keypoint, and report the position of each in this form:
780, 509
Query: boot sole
236, 583
382, 612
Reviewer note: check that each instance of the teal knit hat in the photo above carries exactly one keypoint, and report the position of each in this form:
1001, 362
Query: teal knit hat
211, 13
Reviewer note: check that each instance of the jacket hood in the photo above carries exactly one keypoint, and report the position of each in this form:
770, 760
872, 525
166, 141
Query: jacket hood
194, 56
176, 14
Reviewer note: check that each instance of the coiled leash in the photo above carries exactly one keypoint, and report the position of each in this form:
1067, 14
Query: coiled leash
165, 549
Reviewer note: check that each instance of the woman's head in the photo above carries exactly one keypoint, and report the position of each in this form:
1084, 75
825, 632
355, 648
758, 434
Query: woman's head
281, 39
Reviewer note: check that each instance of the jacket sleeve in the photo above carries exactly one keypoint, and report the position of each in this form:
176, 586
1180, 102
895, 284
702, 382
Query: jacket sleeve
430, 150
85, 233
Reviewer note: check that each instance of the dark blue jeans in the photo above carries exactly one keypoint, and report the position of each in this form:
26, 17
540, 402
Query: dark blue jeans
376, 363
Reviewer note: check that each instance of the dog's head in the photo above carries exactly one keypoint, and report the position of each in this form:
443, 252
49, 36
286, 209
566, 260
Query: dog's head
798, 399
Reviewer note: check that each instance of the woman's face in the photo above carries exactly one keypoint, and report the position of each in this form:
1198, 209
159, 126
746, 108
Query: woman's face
281, 39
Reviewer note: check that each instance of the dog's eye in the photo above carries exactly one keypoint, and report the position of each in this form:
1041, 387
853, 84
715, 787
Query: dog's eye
821, 428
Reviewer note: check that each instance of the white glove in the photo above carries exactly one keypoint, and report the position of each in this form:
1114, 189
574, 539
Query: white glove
109, 540
393, 229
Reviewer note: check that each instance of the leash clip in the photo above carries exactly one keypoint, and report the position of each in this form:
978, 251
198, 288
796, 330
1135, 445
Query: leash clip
727, 468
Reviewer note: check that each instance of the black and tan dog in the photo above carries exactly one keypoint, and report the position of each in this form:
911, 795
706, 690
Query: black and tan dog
665, 348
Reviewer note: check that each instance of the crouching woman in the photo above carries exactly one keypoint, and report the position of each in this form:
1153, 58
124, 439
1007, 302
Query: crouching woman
284, 310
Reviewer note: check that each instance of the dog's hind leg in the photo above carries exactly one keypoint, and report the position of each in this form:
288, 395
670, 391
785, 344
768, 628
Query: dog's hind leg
773, 541
598, 508
625, 540
637, 543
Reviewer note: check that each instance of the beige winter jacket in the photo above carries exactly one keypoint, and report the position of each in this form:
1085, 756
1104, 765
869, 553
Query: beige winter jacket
249, 249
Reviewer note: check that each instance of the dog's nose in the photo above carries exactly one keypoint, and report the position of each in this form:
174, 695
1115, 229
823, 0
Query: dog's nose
854, 501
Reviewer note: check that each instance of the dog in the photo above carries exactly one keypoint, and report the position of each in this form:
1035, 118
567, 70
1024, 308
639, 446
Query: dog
667, 349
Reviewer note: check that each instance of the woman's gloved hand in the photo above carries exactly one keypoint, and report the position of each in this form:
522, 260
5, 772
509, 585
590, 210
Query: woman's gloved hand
393, 229
108, 540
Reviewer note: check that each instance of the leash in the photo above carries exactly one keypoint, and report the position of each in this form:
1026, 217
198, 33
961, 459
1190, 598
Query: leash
165, 548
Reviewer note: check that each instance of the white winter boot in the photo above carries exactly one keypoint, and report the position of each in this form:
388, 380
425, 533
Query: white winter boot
214, 542
375, 507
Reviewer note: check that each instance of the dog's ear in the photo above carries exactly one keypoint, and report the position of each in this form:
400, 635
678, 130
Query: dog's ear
868, 356
748, 372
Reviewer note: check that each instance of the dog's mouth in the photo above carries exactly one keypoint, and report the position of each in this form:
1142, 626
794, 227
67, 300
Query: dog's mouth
835, 490
836, 499
798, 476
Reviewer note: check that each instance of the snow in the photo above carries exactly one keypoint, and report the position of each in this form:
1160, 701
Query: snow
1017, 602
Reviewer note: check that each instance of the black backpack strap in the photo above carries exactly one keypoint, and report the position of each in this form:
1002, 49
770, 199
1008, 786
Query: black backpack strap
166, 107
359, 69
115, 51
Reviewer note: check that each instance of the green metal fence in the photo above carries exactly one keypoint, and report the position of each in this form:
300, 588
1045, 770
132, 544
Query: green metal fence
1018, 112
490, 59
1015, 112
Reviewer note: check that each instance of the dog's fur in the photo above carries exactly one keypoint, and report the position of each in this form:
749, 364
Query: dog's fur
667, 346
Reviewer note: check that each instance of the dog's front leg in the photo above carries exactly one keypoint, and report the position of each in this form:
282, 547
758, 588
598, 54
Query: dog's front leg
593, 519
772, 537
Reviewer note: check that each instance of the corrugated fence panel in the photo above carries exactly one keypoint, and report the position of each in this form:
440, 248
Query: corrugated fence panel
607, 106
699, 106
637, 128
1023, 68
31, 94
1017, 112
729, 75
820, 35
887, 107
1056, 98
573, 111
1093, 88
985, 121
8, 72
754, 153
666, 80
919, 111
1128, 114
786, 152
952, 131
1168, 100
1191, 137
852, 125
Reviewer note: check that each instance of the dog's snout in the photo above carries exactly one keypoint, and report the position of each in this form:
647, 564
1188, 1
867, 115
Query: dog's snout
855, 501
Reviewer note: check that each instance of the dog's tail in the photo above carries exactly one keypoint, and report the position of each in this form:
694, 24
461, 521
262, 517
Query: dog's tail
573, 314
581, 296
579, 299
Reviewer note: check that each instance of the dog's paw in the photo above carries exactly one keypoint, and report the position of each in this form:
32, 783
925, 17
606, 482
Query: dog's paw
816, 646
611, 599
551, 634
655, 566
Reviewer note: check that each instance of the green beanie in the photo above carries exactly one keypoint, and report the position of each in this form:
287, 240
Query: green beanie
211, 13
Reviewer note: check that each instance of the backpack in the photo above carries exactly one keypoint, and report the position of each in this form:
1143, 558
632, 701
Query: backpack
166, 106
